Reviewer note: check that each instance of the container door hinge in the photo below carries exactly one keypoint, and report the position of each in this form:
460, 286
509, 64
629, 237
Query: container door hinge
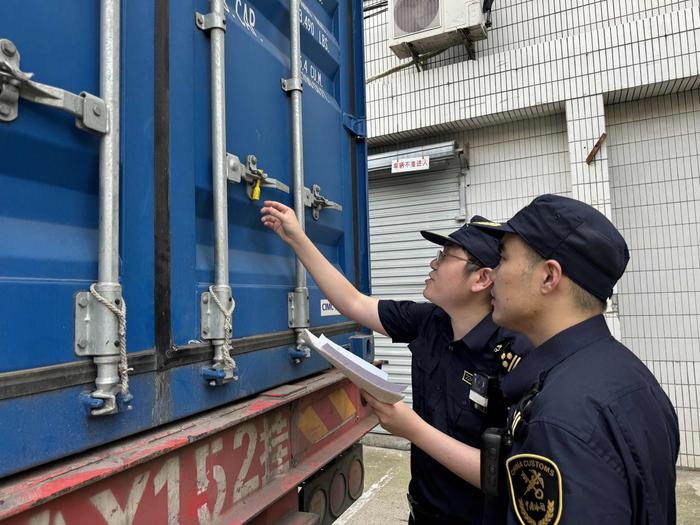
355, 125
90, 111
362, 345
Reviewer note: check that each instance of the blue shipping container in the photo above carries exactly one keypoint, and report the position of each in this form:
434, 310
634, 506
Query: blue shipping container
50, 205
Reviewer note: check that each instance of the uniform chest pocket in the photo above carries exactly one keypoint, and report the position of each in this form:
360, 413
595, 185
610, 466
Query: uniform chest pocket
467, 423
423, 361
423, 366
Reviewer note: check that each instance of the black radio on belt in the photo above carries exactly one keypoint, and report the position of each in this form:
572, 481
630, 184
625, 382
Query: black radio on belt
483, 387
495, 447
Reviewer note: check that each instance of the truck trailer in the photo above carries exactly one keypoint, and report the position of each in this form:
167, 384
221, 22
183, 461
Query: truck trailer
137, 143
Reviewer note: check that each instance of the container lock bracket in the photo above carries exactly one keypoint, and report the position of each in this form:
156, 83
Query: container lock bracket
317, 202
254, 177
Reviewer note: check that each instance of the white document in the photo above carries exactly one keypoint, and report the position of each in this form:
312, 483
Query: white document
365, 375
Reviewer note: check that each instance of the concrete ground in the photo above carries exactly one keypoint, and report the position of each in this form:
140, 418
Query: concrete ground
387, 474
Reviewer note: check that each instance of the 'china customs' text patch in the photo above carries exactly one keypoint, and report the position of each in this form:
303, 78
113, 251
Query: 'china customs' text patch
535, 486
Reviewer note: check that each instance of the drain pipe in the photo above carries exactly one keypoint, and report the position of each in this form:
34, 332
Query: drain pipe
298, 300
217, 304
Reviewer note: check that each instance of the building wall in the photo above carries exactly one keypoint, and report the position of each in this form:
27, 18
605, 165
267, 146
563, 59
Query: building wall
622, 45
552, 80
510, 164
518, 24
655, 184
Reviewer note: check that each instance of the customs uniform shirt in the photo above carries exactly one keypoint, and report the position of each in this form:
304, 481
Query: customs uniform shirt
595, 440
441, 378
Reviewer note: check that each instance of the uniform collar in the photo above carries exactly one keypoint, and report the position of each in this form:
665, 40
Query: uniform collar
478, 337
551, 353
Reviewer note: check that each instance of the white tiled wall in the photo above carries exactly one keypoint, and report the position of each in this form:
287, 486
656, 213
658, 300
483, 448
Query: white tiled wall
654, 161
522, 23
511, 164
519, 23
644, 43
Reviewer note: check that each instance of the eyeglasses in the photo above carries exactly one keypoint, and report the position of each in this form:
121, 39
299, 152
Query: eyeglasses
441, 255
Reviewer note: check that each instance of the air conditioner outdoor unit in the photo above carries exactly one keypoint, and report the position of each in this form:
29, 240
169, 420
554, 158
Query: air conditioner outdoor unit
432, 25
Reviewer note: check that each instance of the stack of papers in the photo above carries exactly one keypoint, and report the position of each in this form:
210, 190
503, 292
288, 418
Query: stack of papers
365, 375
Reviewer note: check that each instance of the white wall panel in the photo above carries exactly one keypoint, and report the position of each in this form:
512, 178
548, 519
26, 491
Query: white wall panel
654, 167
511, 164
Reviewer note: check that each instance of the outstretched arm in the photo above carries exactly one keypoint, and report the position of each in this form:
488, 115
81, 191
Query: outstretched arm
344, 296
399, 419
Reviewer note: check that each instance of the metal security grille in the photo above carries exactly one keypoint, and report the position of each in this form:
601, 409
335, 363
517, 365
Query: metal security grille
399, 207
654, 164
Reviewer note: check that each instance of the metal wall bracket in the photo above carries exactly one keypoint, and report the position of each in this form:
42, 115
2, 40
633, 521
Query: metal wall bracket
298, 308
212, 319
292, 84
209, 21
254, 177
317, 202
90, 111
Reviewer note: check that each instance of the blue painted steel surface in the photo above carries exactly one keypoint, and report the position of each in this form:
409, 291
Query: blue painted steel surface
49, 182
49, 202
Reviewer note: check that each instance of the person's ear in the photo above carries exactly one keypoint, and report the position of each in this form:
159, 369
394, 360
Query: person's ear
551, 277
482, 280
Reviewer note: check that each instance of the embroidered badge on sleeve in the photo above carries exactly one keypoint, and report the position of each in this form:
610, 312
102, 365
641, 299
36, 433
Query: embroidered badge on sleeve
535, 486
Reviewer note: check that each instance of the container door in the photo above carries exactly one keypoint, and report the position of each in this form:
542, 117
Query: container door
258, 117
49, 184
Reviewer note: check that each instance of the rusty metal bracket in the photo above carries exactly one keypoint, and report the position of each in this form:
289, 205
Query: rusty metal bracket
596, 148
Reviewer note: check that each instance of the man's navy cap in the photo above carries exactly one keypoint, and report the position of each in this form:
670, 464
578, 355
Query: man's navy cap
591, 251
480, 245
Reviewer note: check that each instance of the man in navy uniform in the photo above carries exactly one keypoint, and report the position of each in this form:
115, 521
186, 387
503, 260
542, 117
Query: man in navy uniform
593, 437
454, 343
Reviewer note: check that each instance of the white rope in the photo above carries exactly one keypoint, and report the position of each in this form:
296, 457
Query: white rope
121, 316
228, 330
